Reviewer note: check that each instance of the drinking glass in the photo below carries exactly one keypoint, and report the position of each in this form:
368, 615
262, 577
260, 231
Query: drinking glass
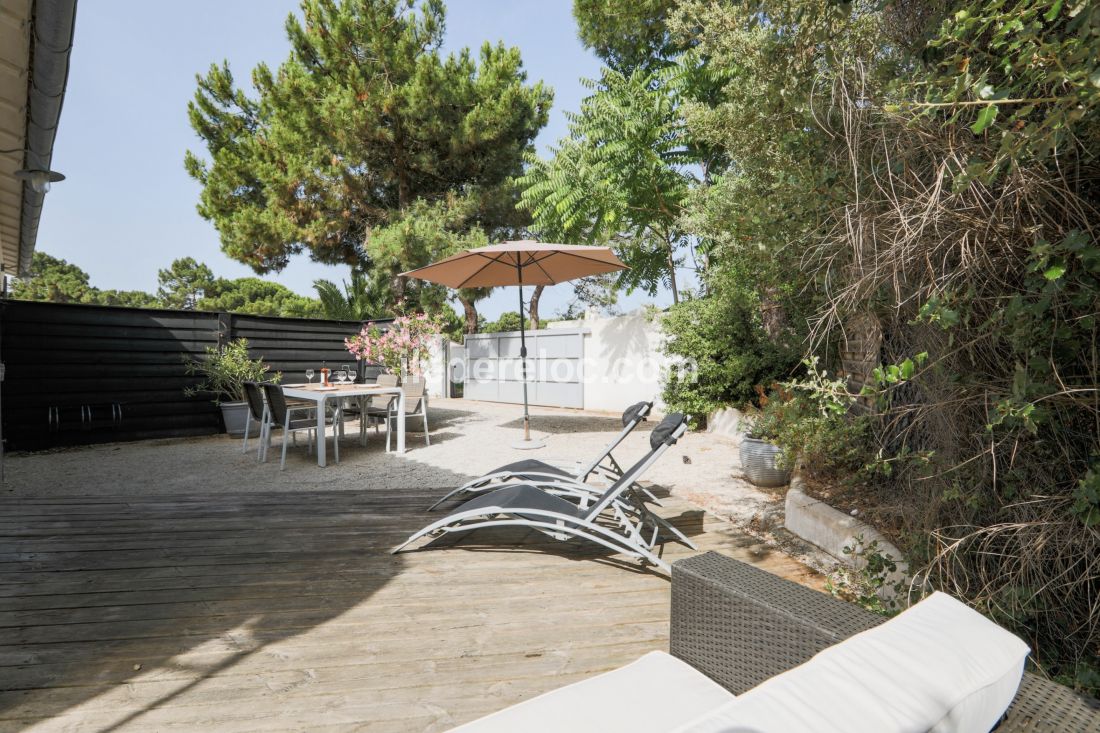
309, 375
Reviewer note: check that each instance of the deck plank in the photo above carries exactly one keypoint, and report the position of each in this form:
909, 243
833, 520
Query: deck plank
282, 610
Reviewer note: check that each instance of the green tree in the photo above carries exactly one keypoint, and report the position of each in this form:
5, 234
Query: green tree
781, 169
57, 281
426, 232
624, 174
362, 299
627, 34
257, 297
625, 189
128, 298
930, 170
508, 321
363, 120
54, 280
183, 283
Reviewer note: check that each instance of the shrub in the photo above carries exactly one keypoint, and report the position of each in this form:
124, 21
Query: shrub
720, 337
811, 420
224, 372
402, 348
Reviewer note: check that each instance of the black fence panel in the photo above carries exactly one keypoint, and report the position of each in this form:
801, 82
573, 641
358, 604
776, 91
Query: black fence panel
80, 374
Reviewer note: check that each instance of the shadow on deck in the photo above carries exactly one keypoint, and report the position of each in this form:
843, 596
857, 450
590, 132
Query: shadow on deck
284, 610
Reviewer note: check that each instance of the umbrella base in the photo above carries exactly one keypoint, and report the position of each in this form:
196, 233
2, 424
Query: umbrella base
529, 444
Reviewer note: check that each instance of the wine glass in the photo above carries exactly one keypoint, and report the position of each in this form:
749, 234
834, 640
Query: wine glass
341, 375
347, 372
309, 375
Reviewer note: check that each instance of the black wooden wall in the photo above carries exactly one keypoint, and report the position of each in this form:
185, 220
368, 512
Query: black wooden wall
79, 374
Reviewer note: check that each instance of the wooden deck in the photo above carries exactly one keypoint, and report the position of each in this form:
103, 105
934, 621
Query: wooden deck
284, 611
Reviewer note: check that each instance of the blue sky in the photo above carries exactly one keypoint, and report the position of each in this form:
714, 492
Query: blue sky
127, 207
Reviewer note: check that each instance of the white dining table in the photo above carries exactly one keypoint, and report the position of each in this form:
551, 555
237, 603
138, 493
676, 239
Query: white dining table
320, 395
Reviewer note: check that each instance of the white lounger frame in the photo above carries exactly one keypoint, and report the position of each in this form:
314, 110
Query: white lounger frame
614, 472
630, 519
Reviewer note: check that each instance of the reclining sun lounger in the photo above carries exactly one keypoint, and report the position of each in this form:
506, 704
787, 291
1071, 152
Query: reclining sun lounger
564, 511
536, 471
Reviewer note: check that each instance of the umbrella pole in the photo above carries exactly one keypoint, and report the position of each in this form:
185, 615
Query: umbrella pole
523, 356
526, 443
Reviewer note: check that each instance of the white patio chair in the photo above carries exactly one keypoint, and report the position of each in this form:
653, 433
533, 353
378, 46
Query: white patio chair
378, 409
416, 405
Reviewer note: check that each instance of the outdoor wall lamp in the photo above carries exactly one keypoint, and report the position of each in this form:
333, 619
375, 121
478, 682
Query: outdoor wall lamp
40, 180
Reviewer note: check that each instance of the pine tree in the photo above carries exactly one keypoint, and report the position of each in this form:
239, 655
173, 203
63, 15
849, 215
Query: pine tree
183, 283
627, 34
363, 120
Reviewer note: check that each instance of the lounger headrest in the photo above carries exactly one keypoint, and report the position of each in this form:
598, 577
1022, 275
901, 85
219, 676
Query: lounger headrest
664, 433
637, 411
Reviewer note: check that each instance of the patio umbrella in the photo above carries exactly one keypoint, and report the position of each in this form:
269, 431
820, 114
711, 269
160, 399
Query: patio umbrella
525, 262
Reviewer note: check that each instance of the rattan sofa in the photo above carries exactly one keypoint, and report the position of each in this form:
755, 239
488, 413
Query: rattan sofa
740, 625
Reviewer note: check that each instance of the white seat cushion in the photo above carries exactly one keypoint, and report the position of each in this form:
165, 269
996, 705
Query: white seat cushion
654, 694
939, 666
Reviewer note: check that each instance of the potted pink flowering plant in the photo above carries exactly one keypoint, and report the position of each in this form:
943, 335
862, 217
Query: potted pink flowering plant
402, 348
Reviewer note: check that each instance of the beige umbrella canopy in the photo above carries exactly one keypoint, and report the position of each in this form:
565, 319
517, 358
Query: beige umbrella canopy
525, 262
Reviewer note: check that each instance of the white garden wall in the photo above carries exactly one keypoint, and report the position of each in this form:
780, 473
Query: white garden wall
623, 361
620, 363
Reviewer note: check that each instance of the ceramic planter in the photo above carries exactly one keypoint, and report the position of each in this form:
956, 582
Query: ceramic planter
235, 414
758, 461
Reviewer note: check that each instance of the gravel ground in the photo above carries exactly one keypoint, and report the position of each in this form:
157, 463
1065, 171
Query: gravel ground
467, 438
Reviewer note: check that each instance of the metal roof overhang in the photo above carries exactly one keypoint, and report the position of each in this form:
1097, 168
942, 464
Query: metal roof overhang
35, 43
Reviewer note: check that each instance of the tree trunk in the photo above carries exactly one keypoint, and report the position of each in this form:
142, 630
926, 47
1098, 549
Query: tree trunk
672, 275
772, 315
533, 307
399, 283
471, 313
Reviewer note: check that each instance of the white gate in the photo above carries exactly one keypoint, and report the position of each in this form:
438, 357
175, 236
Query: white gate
554, 367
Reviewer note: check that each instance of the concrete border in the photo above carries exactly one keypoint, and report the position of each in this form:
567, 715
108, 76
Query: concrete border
832, 530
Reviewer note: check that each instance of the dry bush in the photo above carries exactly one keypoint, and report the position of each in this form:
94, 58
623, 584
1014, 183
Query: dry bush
988, 510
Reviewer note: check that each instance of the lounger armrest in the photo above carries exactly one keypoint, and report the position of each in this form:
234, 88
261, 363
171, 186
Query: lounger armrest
740, 625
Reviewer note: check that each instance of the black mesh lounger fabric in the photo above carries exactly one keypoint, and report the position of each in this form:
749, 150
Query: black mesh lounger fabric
633, 412
532, 465
522, 497
664, 430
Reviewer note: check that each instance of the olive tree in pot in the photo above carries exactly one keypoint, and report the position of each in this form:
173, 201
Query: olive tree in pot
224, 371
